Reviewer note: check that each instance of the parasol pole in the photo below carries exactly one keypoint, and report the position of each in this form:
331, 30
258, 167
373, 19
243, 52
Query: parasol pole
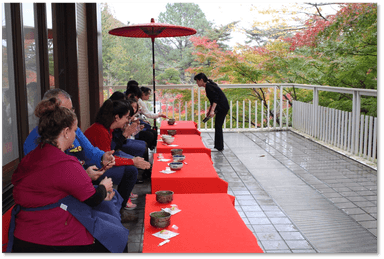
153, 81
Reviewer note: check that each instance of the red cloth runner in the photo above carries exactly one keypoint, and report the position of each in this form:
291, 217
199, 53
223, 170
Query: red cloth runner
188, 143
6, 222
182, 127
207, 223
197, 176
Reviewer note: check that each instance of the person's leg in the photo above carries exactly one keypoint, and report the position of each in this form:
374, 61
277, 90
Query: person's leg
127, 183
135, 147
146, 136
154, 139
219, 139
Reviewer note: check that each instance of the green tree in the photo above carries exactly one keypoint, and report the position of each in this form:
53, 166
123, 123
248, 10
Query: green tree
176, 51
170, 76
123, 58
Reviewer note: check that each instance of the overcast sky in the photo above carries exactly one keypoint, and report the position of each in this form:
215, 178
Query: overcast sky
220, 12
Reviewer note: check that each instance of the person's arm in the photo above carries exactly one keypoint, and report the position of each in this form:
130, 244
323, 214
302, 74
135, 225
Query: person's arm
145, 111
212, 110
75, 181
31, 141
93, 153
118, 138
101, 138
97, 197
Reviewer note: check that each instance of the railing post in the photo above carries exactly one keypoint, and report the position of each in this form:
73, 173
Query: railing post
315, 106
198, 107
230, 117
274, 105
281, 107
355, 121
193, 101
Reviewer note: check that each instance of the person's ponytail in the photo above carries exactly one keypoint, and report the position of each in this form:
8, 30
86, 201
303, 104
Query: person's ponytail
211, 82
104, 115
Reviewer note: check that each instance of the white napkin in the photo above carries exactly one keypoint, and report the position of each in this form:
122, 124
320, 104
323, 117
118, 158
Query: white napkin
163, 160
169, 210
173, 145
167, 172
166, 234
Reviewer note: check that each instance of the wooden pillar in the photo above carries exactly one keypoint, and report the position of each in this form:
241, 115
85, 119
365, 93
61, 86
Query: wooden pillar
95, 61
65, 50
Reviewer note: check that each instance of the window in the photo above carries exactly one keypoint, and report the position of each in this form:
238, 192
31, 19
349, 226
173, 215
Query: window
9, 127
30, 53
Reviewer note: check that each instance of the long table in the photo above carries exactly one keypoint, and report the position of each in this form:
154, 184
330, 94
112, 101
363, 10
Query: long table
197, 176
189, 143
182, 127
207, 223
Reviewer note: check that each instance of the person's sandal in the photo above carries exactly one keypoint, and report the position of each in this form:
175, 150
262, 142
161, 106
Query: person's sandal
130, 205
133, 196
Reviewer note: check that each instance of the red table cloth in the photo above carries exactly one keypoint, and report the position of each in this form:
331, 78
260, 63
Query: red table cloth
197, 176
188, 143
182, 127
207, 223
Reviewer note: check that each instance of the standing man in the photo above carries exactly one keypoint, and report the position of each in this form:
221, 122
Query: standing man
219, 107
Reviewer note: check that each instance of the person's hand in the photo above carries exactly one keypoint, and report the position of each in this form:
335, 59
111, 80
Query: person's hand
108, 160
140, 163
163, 116
212, 114
94, 173
130, 129
136, 120
110, 195
141, 126
108, 184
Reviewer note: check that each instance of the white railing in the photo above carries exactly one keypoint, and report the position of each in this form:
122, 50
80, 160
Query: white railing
334, 127
349, 131
245, 115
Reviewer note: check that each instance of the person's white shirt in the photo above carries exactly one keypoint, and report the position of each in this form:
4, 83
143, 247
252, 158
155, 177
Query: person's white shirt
144, 110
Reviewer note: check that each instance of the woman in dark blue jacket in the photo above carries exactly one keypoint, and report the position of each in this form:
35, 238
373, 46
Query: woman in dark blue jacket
219, 107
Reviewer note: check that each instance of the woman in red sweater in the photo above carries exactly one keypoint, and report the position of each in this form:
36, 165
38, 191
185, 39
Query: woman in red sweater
113, 115
47, 177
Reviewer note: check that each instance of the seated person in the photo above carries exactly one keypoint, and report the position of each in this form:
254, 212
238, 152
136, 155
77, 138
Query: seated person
89, 156
81, 148
145, 93
121, 139
55, 198
113, 115
148, 134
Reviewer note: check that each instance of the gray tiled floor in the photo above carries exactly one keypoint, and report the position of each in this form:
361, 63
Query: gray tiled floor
293, 194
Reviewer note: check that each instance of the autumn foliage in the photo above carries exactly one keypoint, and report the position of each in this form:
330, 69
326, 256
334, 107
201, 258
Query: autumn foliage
337, 50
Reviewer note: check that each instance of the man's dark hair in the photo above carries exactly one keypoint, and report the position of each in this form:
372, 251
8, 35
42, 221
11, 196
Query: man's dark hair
133, 91
132, 83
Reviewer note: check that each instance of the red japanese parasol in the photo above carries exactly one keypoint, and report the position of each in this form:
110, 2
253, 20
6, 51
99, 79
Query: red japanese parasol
152, 30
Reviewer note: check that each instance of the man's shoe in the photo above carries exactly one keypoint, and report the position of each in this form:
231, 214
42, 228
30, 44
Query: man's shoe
216, 150
127, 216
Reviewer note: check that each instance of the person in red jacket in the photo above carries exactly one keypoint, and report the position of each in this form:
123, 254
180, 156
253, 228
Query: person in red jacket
113, 115
48, 183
